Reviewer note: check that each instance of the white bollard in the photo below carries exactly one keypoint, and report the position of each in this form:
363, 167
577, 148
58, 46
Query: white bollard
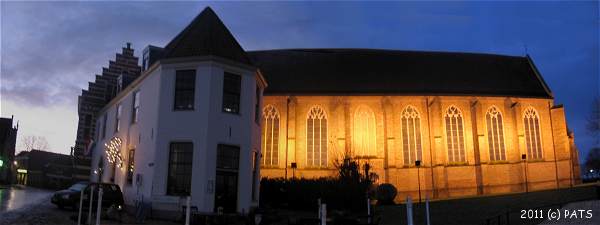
99, 209
324, 214
368, 210
427, 209
319, 204
89, 218
409, 214
80, 206
187, 211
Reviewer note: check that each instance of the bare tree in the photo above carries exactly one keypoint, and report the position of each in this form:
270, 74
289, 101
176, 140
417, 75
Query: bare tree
593, 125
592, 161
34, 142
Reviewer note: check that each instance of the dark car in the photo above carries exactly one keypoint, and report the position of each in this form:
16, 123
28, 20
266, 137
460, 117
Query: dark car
111, 196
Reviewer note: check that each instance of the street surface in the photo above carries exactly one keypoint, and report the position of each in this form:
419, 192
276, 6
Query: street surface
30, 206
14, 198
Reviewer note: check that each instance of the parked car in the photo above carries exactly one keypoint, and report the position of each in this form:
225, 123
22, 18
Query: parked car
111, 196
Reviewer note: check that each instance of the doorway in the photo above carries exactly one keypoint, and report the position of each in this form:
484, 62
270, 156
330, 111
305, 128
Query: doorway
226, 182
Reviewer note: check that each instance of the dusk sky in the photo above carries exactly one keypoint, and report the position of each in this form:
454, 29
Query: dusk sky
49, 51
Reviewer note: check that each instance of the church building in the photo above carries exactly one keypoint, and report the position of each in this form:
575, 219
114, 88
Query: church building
475, 123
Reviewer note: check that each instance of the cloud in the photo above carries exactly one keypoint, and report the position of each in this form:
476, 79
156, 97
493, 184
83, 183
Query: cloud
49, 51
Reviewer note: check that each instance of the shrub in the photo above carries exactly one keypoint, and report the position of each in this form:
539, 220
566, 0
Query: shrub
386, 193
347, 191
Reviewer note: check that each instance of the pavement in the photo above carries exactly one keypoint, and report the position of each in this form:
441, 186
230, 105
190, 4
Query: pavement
21, 205
16, 197
584, 213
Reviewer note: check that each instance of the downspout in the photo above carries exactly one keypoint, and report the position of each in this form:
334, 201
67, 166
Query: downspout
430, 147
385, 144
287, 119
554, 148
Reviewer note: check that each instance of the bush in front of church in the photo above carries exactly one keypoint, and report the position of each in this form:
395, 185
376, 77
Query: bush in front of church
386, 193
346, 192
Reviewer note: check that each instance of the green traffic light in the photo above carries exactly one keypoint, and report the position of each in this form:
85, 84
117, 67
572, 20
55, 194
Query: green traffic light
1, 163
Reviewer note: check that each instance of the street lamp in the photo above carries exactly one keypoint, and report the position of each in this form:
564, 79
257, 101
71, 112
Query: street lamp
418, 164
524, 158
294, 166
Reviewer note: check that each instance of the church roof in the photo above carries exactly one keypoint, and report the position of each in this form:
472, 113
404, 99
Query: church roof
206, 35
393, 72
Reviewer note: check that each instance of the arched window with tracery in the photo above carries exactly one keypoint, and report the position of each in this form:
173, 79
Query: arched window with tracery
363, 132
455, 138
316, 137
411, 135
533, 140
495, 130
270, 132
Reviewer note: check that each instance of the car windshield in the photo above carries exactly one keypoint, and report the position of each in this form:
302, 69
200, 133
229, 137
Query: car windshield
77, 187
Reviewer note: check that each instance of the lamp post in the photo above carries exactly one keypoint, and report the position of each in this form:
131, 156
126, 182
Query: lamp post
294, 166
418, 164
524, 158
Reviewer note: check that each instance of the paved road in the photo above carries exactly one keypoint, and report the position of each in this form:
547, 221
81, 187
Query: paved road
30, 206
16, 197
571, 214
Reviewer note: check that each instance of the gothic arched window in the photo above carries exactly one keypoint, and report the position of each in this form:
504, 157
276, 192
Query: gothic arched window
411, 135
316, 137
495, 130
270, 134
533, 140
363, 133
455, 138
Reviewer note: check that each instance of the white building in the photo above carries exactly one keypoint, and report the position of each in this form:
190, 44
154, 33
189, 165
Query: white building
189, 125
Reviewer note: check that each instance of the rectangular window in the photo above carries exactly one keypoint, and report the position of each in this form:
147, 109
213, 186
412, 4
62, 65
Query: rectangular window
130, 166
254, 174
228, 157
88, 120
185, 87
179, 181
136, 107
256, 106
118, 118
232, 85
104, 125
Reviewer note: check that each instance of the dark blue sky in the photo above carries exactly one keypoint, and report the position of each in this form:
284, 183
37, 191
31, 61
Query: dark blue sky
50, 50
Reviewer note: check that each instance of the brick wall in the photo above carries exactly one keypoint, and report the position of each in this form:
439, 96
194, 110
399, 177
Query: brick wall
438, 177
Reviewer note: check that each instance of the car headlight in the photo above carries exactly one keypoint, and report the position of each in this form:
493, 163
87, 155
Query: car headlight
66, 196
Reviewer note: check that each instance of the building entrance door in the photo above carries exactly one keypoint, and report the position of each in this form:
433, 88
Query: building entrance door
226, 191
226, 181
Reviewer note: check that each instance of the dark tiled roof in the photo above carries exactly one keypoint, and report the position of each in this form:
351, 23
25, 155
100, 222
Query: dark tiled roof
38, 159
371, 72
206, 35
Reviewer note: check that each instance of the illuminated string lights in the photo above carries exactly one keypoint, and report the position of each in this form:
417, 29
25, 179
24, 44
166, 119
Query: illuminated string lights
113, 152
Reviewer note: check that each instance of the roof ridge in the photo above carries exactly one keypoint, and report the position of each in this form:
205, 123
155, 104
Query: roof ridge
378, 50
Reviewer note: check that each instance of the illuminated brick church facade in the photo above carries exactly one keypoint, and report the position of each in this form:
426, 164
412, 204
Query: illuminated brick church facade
469, 119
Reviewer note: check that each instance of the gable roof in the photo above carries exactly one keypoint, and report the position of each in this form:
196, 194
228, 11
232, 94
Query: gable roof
394, 72
206, 35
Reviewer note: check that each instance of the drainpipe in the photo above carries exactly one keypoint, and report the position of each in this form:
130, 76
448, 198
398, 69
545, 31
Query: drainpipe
553, 147
287, 113
430, 147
